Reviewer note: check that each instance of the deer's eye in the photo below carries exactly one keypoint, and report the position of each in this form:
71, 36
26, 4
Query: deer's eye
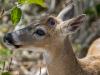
51, 22
39, 32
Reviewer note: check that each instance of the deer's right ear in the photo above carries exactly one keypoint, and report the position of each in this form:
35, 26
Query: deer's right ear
66, 13
73, 24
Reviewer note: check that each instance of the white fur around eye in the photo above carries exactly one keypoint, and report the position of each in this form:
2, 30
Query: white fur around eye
37, 37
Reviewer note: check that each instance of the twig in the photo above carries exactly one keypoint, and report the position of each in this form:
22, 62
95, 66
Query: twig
1, 13
3, 66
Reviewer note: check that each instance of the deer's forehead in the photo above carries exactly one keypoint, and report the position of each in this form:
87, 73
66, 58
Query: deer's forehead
43, 20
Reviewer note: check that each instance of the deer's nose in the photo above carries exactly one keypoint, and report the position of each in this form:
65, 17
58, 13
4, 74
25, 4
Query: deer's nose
8, 38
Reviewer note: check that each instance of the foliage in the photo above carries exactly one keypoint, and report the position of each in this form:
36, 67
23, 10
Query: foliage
6, 73
98, 9
93, 11
16, 15
90, 11
5, 52
38, 2
16, 12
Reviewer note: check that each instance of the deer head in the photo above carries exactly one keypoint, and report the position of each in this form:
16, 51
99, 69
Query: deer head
44, 33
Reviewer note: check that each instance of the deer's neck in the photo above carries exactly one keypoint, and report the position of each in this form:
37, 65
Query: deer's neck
64, 61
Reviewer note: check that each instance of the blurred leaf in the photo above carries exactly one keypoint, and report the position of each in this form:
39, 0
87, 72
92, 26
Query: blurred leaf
90, 11
5, 52
38, 2
21, 1
6, 73
16, 14
98, 9
1, 64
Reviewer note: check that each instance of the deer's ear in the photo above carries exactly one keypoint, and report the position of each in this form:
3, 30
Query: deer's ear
74, 23
66, 13
51, 22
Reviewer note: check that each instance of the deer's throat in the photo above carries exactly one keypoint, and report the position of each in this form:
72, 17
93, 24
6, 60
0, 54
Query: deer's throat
64, 61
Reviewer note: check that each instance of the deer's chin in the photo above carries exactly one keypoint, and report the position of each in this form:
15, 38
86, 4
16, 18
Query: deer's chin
12, 47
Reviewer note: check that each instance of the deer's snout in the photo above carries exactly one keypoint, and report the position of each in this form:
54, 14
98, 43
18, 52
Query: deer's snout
8, 38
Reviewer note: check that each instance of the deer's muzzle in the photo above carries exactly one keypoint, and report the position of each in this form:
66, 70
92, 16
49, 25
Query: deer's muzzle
8, 39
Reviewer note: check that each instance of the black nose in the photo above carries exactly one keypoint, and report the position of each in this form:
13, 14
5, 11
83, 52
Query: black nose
8, 38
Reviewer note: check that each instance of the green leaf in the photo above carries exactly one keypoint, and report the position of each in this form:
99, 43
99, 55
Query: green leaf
38, 2
16, 14
6, 73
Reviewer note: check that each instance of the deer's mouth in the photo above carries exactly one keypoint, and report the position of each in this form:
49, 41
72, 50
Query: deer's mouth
17, 46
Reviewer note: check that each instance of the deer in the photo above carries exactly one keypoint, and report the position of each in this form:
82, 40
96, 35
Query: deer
50, 35
94, 48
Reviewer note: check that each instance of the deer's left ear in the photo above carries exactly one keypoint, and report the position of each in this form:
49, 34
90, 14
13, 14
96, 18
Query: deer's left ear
74, 23
66, 13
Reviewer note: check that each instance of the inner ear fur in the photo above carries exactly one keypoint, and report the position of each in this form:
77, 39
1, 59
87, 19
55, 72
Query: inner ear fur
74, 23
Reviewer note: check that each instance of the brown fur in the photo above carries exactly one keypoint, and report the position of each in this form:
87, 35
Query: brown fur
95, 48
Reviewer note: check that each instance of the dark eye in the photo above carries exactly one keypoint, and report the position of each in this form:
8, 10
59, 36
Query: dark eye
40, 32
51, 22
